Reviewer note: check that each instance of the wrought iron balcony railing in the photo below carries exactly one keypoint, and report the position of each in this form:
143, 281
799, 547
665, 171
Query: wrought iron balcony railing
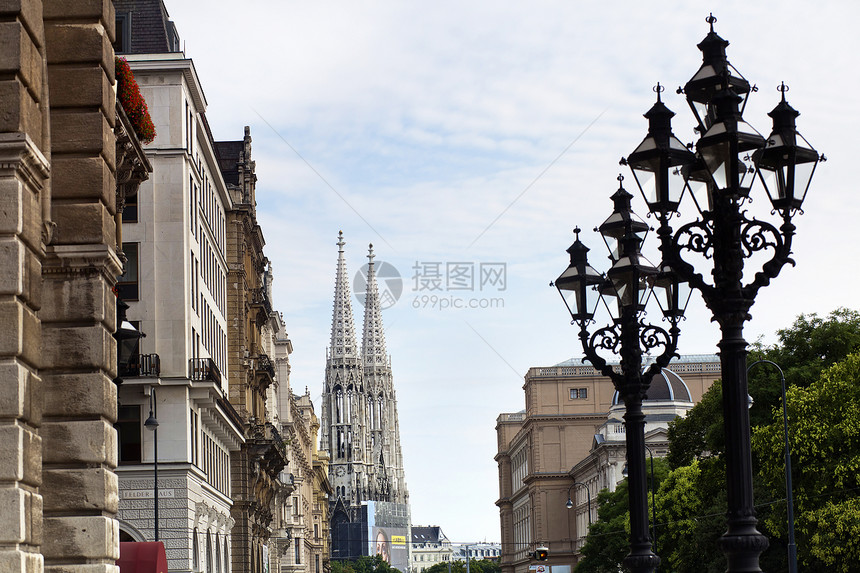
202, 369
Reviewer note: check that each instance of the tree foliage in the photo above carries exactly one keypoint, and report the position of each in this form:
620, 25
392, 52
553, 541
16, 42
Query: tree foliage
608, 539
475, 566
824, 434
691, 508
803, 351
692, 502
363, 564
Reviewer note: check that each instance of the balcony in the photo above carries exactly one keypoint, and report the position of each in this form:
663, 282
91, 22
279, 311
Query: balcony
204, 369
143, 366
265, 364
260, 301
266, 444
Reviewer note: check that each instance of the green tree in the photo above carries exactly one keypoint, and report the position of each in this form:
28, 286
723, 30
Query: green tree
475, 566
363, 564
691, 512
608, 539
824, 435
803, 351
700, 434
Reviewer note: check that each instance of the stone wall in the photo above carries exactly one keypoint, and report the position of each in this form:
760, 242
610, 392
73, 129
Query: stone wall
57, 249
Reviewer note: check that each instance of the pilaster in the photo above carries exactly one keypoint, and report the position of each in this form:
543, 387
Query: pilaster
24, 184
78, 314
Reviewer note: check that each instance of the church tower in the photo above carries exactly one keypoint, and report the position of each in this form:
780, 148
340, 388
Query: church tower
388, 481
342, 409
361, 432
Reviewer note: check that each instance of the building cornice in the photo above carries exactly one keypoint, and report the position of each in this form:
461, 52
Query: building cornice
171, 62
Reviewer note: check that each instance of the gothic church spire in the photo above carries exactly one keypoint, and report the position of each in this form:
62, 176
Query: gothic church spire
373, 337
343, 342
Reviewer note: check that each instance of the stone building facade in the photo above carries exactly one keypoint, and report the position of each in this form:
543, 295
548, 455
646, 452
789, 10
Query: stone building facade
571, 432
64, 146
175, 284
256, 468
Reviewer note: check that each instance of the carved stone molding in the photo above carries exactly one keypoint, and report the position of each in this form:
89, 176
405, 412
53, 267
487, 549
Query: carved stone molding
20, 156
81, 260
21, 159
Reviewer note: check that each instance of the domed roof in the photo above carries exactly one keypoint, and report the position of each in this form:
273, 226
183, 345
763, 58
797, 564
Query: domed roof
665, 386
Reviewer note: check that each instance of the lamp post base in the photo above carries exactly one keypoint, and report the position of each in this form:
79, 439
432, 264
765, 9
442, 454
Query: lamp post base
742, 546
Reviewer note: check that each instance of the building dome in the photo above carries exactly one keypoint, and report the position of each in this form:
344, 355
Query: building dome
665, 386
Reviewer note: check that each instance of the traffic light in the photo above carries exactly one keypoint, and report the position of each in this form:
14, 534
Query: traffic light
541, 553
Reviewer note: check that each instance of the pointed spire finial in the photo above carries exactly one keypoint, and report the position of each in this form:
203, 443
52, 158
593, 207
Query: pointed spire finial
658, 89
340, 241
370, 254
710, 20
782, 89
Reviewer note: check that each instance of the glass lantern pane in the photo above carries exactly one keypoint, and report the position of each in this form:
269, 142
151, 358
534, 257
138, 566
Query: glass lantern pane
718, 161
745, 171
646, 178
802, 177
676, 184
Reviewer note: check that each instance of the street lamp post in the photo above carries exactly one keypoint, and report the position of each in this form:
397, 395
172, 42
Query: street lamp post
624, 473
151, 423
569, 504
730, 158
789, 492
653, 500
628, 284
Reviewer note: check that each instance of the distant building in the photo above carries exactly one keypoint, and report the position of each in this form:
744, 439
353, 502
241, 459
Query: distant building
370, 506
570, 441
477, 551
429, 547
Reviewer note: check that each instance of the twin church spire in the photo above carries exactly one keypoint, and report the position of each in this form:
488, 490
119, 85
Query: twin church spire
360, 427
343, 340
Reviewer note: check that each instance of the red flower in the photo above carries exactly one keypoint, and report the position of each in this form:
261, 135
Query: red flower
128, 94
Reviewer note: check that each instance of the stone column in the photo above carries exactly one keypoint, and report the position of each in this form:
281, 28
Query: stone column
24, 184
78, 353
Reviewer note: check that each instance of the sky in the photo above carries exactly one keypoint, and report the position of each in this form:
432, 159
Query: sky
465, 140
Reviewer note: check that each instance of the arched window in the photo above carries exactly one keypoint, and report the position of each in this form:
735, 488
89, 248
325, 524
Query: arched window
226, 556
218, 553
209, 552
195, 551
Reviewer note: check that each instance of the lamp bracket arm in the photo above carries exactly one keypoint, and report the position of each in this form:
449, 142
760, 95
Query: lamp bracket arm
607, 338
780, 242
651, 337
696, 237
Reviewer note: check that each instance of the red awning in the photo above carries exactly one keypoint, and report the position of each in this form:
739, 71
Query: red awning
142, 557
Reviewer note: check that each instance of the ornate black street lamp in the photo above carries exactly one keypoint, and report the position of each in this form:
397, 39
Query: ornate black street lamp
628, 284
730, 157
